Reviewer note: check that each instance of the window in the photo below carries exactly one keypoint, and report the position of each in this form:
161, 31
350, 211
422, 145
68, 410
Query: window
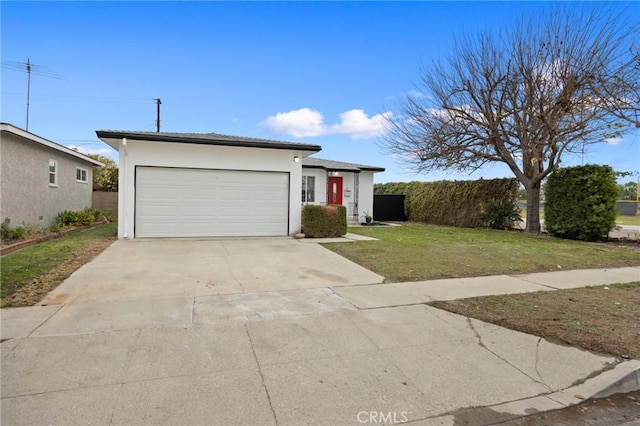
53, 173
308, 189
81, 175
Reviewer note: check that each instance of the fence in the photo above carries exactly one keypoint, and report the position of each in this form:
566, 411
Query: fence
105, 201
389, 207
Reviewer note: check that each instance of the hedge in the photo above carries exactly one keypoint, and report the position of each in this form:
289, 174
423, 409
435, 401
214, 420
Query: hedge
324, 221
580, 202
453, 203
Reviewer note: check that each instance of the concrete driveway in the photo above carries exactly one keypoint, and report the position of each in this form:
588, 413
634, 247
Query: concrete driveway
160, 268
248, 332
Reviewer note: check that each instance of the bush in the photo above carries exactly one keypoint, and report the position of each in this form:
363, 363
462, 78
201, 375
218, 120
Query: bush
9, 233
83, 217
501, 214
581, 202
324, 221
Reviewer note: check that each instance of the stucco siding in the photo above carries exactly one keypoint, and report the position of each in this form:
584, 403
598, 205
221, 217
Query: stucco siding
366, 193
164, 154
25, 195
320, 187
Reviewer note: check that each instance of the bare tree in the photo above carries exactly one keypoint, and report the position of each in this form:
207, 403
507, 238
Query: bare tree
548, 86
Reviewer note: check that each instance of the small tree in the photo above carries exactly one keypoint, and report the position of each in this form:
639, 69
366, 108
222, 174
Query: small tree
581, 202
547, 86
105, 178
628, 191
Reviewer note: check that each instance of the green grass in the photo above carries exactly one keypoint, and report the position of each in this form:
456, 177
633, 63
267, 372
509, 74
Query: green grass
628, 220
23, 266
416, 252
620, 220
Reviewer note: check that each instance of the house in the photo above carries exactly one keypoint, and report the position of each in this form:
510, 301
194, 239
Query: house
335, 182
208, 184
40, 178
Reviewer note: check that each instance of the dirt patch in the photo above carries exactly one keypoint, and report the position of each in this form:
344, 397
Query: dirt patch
602, 319
34, 291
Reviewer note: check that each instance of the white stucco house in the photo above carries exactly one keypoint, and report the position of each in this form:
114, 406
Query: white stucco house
336, 182
210, 185
40, 178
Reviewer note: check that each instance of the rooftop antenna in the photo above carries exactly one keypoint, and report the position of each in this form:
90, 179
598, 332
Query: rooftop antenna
28, 91
30, 68
158, 103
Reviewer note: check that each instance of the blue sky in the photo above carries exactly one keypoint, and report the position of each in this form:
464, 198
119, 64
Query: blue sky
324, 73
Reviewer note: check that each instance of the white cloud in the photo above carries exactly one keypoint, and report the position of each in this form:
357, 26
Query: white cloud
613, 141
309, 122
297, 123
359, 126
100, 151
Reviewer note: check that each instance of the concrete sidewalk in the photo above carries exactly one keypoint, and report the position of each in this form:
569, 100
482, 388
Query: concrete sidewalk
412, 293
341, 355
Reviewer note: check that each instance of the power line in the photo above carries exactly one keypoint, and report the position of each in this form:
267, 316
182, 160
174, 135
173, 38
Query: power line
35, 69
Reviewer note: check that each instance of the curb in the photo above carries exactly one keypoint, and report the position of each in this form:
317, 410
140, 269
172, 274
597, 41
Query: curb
624, 377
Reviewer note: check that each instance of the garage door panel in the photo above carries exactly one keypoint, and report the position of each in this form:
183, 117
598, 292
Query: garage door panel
195, 203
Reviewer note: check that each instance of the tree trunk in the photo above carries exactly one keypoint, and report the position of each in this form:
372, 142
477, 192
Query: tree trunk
533, 208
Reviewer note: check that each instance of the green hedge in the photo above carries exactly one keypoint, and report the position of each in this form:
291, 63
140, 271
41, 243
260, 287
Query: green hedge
580, 202
324, 221
457, 203
392, 188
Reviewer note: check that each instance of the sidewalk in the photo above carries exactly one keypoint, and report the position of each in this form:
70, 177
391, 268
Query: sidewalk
412, 293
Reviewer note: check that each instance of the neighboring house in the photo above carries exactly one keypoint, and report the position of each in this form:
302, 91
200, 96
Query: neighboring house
335, 182
207, 184
40, 178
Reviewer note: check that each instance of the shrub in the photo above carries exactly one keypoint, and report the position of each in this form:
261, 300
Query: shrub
581, 202
501, 214
9, 233
324, 221
83, 217
5, 230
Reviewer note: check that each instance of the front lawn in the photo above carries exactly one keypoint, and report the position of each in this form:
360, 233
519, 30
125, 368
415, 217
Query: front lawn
417, 252
29, 274
601, 319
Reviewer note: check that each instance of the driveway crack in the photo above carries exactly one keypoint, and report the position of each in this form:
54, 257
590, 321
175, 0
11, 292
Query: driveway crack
482, 345
264, 385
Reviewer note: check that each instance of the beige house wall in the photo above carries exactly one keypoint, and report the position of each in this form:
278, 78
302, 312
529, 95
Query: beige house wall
25, 194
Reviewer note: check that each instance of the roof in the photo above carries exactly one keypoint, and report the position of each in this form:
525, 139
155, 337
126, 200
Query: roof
10, 128
113, 137
318, 163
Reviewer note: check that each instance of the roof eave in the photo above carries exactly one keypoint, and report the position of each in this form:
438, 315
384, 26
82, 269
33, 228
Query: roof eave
10, 128
106, 135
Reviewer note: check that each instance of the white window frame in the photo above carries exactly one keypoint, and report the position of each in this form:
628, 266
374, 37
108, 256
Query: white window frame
54, 173
305, 189
82, 171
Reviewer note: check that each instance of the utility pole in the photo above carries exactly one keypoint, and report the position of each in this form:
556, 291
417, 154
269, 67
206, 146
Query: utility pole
28, 91
158, 103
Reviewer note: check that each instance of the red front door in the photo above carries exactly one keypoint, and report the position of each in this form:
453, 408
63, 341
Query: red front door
334, 190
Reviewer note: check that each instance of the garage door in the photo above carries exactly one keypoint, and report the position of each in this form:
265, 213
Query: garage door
173, 202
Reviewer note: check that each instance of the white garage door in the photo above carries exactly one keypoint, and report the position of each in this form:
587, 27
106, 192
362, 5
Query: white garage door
173, 202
